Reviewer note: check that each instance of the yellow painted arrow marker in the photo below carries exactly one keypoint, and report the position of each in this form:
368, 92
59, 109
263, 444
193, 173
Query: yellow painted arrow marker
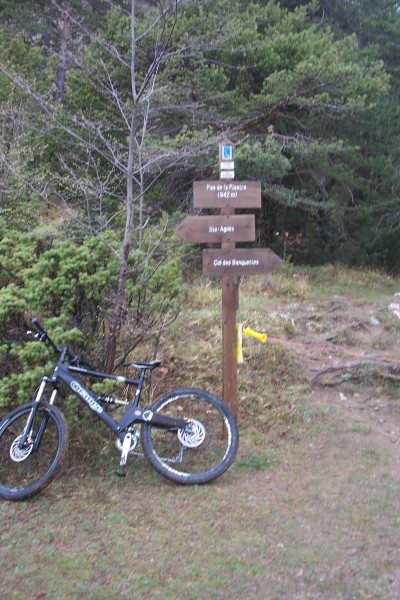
239, 340
259, 336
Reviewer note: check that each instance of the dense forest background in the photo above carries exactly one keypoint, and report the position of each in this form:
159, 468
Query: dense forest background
110, 110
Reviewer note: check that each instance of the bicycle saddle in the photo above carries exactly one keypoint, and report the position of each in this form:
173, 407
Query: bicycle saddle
144, 365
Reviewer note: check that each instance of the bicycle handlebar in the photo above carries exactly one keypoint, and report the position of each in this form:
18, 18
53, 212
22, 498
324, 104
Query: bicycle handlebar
38, 326
42, 335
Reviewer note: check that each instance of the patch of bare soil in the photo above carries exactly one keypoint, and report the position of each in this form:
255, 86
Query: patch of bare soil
334, 502
354, 366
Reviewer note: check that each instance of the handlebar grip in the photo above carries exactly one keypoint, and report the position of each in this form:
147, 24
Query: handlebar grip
38, 326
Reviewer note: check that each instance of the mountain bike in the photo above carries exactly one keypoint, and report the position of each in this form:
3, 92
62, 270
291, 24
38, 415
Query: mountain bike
189, 435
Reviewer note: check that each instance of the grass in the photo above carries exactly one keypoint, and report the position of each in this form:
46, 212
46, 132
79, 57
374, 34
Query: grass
308, 510
330, 280
94, 536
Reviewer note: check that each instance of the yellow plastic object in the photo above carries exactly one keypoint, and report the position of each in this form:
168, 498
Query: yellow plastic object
239, 341
251, 333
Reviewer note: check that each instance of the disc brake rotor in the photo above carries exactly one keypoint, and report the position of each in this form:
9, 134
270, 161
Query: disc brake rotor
17, 453
193, 435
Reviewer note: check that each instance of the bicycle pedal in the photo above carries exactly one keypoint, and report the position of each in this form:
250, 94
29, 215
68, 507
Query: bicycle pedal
121, 472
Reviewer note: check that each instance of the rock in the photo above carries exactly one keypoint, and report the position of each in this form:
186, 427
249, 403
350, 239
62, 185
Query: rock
395, 309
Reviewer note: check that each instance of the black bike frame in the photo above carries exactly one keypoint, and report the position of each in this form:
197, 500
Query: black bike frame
133, 413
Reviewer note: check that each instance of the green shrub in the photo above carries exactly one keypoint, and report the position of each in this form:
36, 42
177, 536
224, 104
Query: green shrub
71, 288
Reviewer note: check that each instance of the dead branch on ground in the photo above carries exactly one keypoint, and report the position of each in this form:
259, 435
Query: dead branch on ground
392, 367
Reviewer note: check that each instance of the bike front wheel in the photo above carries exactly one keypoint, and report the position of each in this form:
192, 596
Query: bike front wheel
204, 449
26, 469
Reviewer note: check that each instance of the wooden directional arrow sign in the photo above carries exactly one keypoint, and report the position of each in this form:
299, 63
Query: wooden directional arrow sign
240, 261
227, 194
217, 229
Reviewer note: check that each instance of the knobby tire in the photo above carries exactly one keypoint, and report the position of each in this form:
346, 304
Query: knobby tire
200, 464
21, 480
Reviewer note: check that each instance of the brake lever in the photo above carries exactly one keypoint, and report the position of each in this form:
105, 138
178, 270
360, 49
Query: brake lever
39, 335
32, 333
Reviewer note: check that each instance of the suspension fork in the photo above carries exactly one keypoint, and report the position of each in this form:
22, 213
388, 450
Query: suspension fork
32, 414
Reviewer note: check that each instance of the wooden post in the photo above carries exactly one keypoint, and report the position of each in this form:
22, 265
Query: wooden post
230, 305
230, 296
229, 358
228, 262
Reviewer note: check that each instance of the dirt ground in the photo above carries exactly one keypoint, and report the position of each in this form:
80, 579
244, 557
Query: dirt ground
335, 498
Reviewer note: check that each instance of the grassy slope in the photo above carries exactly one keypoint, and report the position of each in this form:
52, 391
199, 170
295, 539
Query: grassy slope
311, 508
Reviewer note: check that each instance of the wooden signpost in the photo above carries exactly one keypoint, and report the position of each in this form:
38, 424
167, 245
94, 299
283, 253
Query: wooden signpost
239, 261
228, 262
218, 229
227, 194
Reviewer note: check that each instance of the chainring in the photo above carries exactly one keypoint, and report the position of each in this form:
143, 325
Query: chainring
134, 442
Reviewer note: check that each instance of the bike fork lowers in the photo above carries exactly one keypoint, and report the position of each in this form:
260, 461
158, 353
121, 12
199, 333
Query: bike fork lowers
32, 414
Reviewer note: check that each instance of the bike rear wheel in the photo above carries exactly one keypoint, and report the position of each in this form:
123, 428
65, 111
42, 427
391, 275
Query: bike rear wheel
27, 469
204, 449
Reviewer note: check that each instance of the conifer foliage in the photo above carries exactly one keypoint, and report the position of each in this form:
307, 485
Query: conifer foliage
109, 112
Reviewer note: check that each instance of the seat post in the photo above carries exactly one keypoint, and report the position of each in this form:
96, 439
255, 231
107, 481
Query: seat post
142, 376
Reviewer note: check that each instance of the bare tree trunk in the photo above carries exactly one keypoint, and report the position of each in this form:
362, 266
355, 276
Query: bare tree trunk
116, 317
117, 314
62, 68
135, 156
141, 225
